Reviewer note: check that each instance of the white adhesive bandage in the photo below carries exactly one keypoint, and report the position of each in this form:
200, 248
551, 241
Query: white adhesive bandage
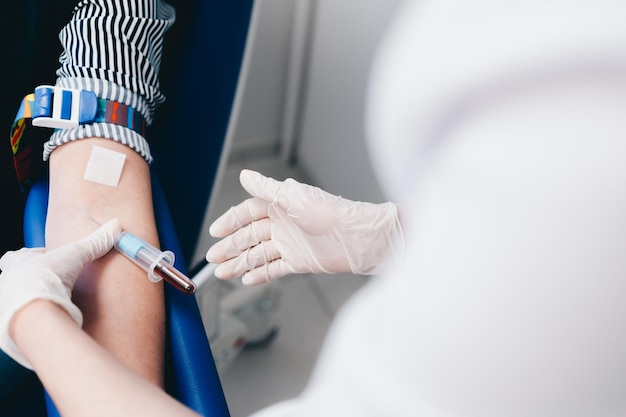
104, 166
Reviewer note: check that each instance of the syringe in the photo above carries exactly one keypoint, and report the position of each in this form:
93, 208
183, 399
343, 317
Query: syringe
158, 264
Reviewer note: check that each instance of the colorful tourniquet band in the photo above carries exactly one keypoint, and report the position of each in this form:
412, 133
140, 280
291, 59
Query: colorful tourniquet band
60, 108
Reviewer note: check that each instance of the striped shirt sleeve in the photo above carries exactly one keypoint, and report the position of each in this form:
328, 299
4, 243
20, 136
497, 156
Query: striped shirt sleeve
114, 48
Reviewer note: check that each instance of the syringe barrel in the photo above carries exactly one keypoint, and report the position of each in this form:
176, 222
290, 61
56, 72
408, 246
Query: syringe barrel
142, 253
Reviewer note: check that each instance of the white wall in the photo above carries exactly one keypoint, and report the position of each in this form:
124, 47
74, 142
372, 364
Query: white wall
325, 120
260, 115
331, 142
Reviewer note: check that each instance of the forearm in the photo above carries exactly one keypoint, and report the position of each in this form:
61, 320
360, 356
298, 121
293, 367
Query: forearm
122, 309
81, 377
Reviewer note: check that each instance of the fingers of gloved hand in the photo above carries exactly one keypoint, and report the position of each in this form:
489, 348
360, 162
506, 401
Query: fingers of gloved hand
31, 274
97, 244
238, 216
281, 193
260, 186
240, 241
267, 273
71, 258
261, 254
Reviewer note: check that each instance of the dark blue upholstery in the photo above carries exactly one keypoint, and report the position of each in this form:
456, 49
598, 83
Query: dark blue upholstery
191, 375
202, 57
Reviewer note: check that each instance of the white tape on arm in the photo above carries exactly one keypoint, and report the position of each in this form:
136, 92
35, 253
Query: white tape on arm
104, 166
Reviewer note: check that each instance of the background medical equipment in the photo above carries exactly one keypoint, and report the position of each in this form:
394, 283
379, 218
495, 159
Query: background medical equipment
235, 316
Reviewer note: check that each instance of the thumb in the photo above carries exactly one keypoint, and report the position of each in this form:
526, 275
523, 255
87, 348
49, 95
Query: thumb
260, 186
287, 194
92, 247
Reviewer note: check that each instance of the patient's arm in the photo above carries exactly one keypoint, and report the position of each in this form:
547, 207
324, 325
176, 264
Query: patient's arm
123, 310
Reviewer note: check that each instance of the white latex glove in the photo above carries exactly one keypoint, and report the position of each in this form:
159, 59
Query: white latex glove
289, 227
32, 273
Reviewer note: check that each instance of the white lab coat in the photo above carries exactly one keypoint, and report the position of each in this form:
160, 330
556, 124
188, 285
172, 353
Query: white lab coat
500, 128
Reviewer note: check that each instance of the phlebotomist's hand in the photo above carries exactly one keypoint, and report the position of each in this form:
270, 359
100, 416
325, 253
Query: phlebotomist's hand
288, 227
32, 273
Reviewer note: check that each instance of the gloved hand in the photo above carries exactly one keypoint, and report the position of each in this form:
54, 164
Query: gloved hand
32, 273
288, 227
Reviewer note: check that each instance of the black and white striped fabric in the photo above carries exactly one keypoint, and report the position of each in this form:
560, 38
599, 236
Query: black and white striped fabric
114, 48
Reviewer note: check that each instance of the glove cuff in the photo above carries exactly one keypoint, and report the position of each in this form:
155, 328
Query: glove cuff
372, 235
